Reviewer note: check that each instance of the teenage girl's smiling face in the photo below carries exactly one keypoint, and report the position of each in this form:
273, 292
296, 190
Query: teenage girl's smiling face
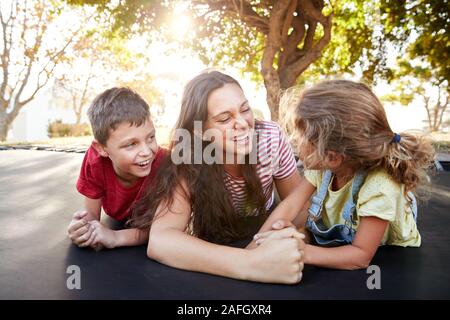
229, 114
132, 150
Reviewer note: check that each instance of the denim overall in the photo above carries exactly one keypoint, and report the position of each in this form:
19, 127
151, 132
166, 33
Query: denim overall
339, 234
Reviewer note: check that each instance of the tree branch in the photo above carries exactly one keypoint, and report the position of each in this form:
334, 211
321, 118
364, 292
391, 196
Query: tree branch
242, 9
427, 108
288, 22
294, 39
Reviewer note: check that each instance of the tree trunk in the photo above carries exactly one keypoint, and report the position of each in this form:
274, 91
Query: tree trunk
5, 123
78, 118
272, 84
275, 84
292, 52
291, 42
272, 99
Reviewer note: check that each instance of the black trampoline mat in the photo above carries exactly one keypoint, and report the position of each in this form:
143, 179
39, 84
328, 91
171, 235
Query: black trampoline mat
38, 197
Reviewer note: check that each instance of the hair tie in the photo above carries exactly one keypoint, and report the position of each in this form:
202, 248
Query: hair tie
396, 138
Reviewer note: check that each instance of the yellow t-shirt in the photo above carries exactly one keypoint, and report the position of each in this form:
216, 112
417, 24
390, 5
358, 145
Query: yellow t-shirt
379, 196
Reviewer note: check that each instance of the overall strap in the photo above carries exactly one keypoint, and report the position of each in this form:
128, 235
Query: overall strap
317, 200
350, 205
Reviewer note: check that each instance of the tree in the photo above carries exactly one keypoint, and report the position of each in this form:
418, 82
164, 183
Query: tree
30, 50
100, 61
424, 70
292, 33
288, 36
286, 42
421, 81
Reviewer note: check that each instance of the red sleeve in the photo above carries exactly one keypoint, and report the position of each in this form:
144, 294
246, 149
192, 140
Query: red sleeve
91, 182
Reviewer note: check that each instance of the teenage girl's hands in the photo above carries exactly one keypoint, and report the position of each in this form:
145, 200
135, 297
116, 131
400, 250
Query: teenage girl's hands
279, 258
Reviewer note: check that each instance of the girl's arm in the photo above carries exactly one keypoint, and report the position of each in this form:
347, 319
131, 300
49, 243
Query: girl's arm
354, 256
277, 260
290, 208
287, 185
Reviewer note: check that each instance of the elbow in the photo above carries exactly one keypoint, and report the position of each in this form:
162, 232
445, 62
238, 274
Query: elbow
364, 264
154, 247
360, 263
358, 266
150, 252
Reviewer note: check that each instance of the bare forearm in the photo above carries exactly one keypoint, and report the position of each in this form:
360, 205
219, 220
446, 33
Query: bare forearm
131, 237
347, 257
180, 250
291, 209
93, 208
92, 216
286, 210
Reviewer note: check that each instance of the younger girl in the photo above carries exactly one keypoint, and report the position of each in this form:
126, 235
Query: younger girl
363, 174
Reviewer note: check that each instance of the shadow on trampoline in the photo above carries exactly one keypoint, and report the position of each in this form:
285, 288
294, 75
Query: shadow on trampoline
39, 265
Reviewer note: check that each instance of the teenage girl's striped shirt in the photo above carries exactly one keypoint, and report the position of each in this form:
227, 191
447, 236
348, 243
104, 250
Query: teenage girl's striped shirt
275, 161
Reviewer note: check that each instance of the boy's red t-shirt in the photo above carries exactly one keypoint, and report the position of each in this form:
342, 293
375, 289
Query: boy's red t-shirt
98, 180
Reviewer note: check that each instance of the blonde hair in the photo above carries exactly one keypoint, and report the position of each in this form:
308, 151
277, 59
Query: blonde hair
346, 117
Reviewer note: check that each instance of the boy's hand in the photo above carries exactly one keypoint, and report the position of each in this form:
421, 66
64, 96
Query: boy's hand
101, 236
79, 229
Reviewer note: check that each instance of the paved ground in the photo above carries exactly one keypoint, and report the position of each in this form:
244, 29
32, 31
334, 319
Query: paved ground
38, 197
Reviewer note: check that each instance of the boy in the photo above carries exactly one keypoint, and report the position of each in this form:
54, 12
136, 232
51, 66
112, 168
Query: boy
120, 163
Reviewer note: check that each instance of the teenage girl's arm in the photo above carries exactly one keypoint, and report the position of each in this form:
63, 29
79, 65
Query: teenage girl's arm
354, 256
277, 260
290, 208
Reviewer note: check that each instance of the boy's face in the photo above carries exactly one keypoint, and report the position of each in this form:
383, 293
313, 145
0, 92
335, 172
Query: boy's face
132, 150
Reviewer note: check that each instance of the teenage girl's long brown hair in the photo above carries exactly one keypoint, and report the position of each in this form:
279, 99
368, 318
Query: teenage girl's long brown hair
213, 217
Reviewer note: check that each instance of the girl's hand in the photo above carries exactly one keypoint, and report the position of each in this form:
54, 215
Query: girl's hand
281, 224
277, 225
289, 232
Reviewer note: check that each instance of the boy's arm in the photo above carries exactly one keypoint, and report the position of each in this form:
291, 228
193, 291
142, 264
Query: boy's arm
93, 208
117, 238
101, 234
290, 207
354, 256
131, 237
79, 229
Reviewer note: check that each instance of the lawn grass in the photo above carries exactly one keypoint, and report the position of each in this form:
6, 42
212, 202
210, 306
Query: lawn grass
162, 136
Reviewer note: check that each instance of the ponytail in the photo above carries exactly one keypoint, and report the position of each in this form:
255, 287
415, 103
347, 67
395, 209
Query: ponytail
408, 159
